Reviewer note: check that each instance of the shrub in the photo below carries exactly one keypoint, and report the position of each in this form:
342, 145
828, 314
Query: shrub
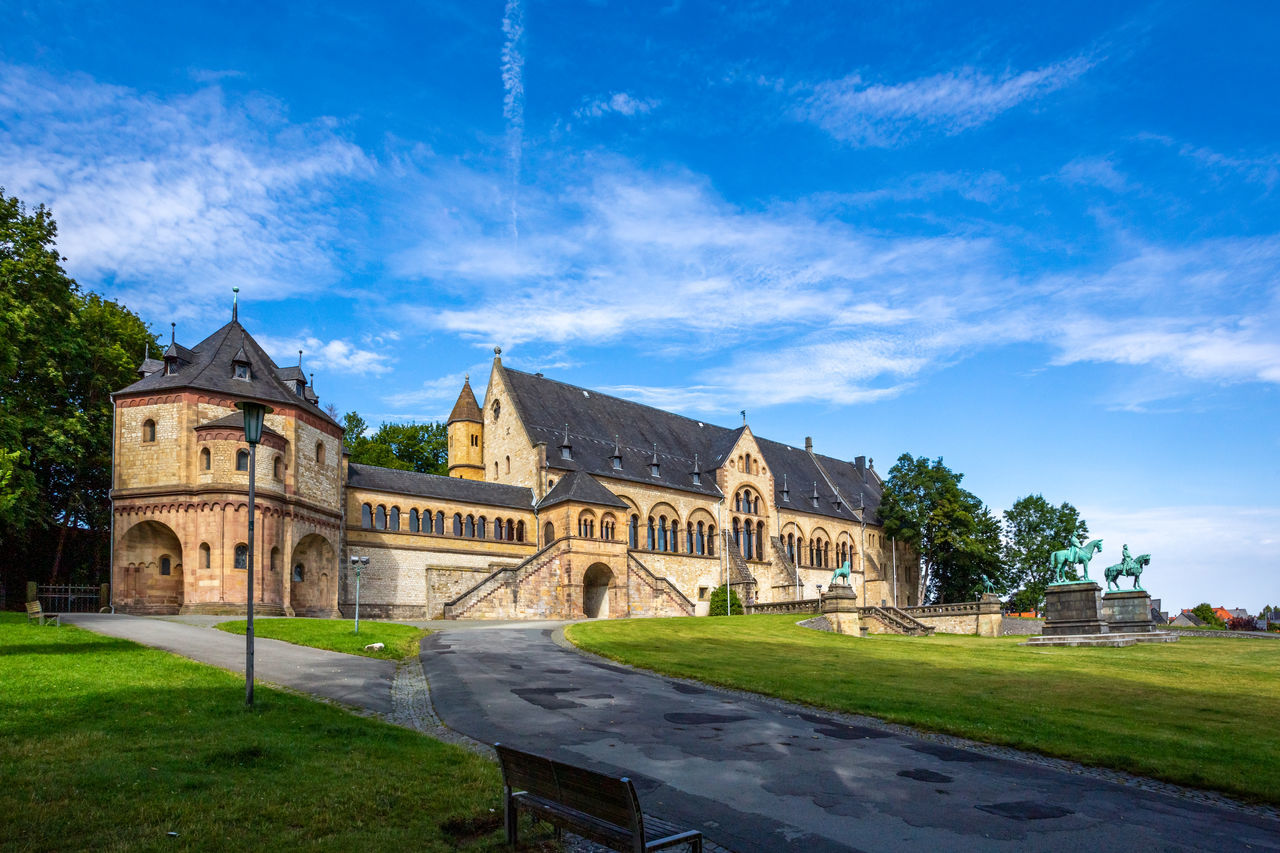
1242, 623
717, 602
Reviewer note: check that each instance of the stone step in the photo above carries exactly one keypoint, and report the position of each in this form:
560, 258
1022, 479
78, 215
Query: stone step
1104, 640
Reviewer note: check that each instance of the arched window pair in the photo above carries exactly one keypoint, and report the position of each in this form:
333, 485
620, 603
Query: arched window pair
586, 526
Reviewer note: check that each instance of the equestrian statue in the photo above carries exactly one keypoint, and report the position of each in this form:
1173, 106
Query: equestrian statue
842, 571
1129, 567
1064, 561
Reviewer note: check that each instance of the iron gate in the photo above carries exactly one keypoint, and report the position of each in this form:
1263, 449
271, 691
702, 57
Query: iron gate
66, 598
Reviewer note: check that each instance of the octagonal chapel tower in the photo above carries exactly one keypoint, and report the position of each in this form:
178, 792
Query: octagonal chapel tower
180, 484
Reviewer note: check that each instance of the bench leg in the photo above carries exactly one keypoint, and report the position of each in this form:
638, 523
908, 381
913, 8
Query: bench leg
512, 820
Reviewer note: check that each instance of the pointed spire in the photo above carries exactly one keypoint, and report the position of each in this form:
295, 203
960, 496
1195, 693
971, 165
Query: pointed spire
786, 493
235, 304
313, 380
466, 409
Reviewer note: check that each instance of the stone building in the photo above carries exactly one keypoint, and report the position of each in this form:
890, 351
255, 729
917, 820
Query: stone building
561, 502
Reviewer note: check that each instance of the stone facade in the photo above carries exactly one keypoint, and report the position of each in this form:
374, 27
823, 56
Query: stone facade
683, 508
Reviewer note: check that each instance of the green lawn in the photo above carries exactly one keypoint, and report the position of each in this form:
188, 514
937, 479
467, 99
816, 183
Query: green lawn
1203, 712
108, 745
336, 635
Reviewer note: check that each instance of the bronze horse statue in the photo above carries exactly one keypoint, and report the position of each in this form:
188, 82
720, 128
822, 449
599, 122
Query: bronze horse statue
842, 571
1130, 567
1062, 561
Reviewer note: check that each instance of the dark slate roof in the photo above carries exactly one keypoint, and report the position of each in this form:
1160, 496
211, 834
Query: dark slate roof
292, 373
594, 419
235, 420
149, 366
582, 488
466, 409
208, 366
435, 486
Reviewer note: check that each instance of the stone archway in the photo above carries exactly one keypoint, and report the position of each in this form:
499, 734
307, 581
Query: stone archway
312, 569
149, 580
595, 591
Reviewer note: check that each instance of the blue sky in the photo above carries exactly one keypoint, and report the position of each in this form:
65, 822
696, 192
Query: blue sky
1040, 241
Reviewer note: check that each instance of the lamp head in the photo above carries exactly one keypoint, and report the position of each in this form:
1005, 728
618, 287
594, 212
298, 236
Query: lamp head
253, 415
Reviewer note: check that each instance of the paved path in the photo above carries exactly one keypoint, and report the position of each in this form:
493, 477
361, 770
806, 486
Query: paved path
755, 774
351, 680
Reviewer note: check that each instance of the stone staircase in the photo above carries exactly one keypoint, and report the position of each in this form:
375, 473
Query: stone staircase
896, 621
507, 578
660, 587
740, 577
783, 562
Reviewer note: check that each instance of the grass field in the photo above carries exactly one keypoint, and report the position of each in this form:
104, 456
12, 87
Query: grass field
336, 635
1203, 712
108, 745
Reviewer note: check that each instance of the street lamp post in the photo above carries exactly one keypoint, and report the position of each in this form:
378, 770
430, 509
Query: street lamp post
358, 562
253, 416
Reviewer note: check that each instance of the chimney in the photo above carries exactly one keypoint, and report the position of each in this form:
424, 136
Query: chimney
860, 462
808, 443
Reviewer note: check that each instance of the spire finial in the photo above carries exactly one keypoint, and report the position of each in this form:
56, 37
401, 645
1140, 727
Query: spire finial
466, 378
173, 333
299, 358
497, 350
743, 412
235, 304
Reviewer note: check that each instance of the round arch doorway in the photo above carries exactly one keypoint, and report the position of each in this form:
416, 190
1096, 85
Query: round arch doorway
595, 591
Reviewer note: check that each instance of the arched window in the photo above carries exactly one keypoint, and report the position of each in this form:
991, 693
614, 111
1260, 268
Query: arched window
277, 468
242, 556
711, 540
148, 430
319, 452
633, 532
274, 562
440, 522
662, 533
394, 521
702, 539
608, 526
482, 527
548, 533
457, 524
508, 461
759, 540
242, 460
366, 516
826, 555
166, 565
495, 469
675, 536
413, 520
206, 459
380, 519
206, 556
299, 573
649, 543
511, 530
471, 527
499, 529
520, 531
791, 547
737, 534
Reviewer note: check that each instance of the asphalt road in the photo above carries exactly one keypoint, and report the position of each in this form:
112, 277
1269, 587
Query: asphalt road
759, 775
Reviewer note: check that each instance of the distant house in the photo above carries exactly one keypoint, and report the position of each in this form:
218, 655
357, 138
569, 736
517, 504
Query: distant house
1187, 619
1224, 614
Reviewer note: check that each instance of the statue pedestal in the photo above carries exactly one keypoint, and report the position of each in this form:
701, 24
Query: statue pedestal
840, 605
990, 615
1073, 608
1127, 610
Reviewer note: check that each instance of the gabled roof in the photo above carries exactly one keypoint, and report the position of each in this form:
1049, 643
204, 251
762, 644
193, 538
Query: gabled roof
581, 488
466, 409
594, 419
435, 486
208, 367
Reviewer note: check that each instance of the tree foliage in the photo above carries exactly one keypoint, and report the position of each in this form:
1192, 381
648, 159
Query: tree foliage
1033, 529
408, 447
62, 353
1207, 615
953, 532
724, 602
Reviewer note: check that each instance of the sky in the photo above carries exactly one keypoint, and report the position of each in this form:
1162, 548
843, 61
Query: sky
1039, 241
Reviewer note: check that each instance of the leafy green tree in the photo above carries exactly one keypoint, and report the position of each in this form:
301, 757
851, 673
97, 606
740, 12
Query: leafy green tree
1207, 615
408, 447
62, 353
953, 532
1033, 529
724, 602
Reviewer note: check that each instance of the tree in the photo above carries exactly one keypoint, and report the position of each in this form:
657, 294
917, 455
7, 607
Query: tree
1033, 529
62, 353
1207, 615
724, 602
408, 447
955, 534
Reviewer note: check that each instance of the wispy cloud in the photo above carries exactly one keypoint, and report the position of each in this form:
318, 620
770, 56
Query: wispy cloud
870, 114
513, 100
618, 103
176, 199
336, 355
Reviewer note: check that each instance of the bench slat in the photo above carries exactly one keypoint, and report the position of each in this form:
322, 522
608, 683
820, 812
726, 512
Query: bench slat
601, 796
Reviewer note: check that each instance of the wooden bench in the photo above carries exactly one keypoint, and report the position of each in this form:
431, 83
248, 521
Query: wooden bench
600, 808
35, 611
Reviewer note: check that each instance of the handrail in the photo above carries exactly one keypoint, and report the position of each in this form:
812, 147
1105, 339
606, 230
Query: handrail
659, 581
516, 568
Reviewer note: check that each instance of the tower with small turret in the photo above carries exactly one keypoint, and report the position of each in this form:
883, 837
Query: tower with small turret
466, 436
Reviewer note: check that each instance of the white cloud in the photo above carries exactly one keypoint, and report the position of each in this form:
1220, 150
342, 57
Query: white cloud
1095, 171
862, 113
336, 355
173, 200
619, 103
1220, 554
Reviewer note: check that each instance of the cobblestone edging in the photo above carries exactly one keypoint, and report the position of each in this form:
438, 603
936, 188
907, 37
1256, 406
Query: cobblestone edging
1118, 777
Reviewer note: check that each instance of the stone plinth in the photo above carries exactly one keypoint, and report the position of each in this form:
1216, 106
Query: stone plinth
1127, 611
990, 616
1073, 608
840, 606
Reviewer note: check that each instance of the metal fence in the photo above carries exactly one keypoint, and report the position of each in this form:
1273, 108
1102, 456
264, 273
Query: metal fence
66, 598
